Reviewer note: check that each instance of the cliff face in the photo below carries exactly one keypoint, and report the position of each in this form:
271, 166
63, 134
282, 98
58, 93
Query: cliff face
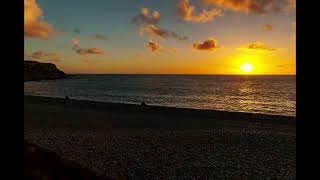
36, 71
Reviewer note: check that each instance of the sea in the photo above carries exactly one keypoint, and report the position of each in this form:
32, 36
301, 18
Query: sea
266, 94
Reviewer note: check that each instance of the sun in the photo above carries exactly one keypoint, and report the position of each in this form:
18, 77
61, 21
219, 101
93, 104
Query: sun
246, 68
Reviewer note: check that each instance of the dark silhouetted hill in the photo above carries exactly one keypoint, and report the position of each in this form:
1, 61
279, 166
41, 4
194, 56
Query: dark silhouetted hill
36, 71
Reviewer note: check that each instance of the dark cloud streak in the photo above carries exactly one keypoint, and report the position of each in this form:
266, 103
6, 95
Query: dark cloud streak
267, 27
163, 33
41, 55
258, 45
99, 37
76, 30
85, 51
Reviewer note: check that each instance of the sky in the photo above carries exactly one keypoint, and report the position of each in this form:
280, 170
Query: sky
162, 37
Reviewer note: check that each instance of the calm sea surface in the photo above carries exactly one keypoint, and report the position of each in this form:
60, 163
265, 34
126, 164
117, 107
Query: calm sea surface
257, 94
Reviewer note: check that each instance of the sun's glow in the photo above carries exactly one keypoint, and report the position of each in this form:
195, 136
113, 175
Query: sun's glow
246, 68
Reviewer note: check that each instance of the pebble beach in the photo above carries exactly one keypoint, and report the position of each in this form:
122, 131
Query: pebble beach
134, 142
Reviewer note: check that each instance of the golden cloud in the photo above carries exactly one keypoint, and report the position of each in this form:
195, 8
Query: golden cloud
74, 42
153, 46
144, 18
156, 47
34, 26
254, 6
148, 23
257, 46
186, 12
209, 45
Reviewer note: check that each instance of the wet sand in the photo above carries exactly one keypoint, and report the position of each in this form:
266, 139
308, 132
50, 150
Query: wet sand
149, 142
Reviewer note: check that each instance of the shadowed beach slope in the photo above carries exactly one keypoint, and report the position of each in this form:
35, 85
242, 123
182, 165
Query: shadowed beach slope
151, 142
41, 163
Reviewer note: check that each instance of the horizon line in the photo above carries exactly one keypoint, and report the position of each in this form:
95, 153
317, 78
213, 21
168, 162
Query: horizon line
181, 74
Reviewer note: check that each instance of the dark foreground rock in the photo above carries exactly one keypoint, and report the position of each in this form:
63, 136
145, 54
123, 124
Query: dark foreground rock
40, 163
36, 71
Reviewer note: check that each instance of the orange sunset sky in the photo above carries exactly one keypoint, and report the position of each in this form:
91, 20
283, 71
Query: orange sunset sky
163, 37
